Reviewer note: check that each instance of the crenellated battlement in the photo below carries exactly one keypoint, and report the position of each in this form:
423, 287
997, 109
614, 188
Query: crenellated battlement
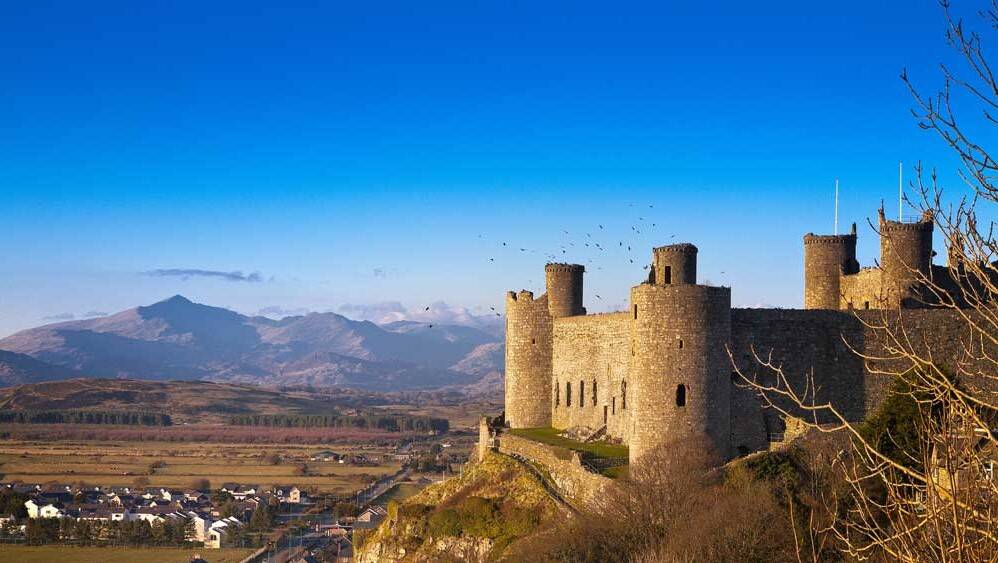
563, 267
678, 247
812, 238
523, 296
888, 226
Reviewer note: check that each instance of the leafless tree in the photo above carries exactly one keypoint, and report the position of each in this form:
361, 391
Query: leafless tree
933, 498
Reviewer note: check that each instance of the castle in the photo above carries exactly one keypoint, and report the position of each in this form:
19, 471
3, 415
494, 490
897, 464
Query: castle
661, 371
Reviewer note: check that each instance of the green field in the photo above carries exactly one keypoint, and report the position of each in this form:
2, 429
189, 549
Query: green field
49, 553
550, 436
103, 463
399, 493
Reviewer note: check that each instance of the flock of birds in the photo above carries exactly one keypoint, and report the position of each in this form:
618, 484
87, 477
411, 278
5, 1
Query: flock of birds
597, 246
595, 250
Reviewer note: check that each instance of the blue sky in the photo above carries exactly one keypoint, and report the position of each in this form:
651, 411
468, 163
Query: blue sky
354, 153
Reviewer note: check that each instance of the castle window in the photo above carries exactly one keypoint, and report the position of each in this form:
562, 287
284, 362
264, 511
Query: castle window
866, 304
533, 341
623, 395
594, 392
680, 343
613, 405
635, 311
667, 274
681, 395
582, 394
557, 394
568, 393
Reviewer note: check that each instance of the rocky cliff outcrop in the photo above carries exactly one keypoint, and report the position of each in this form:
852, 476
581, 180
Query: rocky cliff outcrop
479, 516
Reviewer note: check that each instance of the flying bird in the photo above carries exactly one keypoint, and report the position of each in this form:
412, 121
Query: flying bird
598, 297
426, 309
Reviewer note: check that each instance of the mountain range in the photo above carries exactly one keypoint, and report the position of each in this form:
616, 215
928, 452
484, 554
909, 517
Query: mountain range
177, 339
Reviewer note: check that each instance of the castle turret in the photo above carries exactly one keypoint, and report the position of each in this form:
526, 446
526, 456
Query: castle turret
905, 257
679, 367
826, 259
674, 264
528, 360
564, 289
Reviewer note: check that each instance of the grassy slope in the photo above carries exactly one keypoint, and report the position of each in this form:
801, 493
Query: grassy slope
497, 478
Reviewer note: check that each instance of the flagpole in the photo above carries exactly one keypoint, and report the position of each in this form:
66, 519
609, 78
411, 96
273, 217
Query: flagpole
836, 206
900, 192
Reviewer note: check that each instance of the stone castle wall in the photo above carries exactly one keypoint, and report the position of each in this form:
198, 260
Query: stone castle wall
590, 366
905, 251
528, 360
579, 486
862, 290
660, 371
564, 289
679, 335
826, 259
674, 264
804, 342
820, 344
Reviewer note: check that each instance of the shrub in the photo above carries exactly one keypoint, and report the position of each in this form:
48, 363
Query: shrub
446, 522
480, 518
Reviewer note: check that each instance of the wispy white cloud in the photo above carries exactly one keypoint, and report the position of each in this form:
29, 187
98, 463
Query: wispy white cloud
188, 273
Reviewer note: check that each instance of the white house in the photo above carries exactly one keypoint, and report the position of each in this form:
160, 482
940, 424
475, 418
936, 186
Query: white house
47, 510
219, 533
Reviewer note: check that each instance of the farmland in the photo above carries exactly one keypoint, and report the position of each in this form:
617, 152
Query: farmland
184, 465
49, 553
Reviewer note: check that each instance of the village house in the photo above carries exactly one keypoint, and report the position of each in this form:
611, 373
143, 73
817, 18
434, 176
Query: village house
220, 533
43, 509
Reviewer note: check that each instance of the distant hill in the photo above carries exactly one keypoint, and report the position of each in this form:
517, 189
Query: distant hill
184, 401
179, 339
16, 369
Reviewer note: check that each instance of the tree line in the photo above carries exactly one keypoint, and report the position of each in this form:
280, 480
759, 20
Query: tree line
389, 423
86, 417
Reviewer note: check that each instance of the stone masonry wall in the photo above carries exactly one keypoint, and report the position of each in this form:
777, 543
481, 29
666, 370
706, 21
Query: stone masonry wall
528, 360
807, 343
591, 354
680, 369
826, 257
862, 290
582, 488
564, 283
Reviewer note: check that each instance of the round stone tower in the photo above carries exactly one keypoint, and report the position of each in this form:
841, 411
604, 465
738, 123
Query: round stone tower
528, 360
905, 255
826, 259
564, 289
674, 264
680, 371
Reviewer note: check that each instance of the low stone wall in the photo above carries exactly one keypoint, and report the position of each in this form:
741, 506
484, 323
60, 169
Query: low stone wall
582, 488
